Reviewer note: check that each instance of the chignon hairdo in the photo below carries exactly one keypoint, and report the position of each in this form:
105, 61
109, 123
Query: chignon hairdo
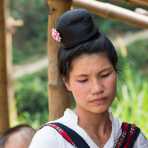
79, 35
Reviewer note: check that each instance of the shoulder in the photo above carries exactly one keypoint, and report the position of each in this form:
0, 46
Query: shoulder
46, 137
141, 141
134, 133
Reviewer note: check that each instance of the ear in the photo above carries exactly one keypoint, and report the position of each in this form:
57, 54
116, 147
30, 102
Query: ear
67, 84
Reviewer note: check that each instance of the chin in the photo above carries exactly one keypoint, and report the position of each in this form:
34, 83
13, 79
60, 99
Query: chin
99, 110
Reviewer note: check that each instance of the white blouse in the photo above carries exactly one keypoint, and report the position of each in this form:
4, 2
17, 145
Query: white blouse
48, 137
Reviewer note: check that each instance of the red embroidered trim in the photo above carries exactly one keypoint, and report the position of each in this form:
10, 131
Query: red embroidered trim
126, 139
123, 135
131, 133
62, 133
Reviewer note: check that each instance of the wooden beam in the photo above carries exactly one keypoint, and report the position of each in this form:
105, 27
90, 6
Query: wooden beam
12, 24
58, 97
141, 11
4, 115
107, 10
138, 2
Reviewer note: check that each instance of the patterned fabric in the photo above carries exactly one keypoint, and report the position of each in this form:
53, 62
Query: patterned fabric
126, 140
62, 133
128, 136
48, 137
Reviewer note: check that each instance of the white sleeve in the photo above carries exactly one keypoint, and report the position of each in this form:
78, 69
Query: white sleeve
141, 141
46, 137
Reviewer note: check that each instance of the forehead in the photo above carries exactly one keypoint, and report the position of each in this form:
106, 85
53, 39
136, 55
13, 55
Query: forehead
90, 62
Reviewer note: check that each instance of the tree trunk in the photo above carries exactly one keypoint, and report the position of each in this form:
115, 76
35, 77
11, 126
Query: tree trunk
58, 97
4, 116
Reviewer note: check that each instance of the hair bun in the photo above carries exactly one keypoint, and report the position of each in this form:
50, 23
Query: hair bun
76, 26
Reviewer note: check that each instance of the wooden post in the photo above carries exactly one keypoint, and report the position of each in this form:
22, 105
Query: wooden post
58, 97
4, 116
11, 25
114, 12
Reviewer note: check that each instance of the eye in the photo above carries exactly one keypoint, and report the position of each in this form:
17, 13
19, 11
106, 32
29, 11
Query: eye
106, 74
82, 81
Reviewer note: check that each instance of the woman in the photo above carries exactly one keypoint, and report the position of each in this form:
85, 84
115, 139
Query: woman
87, 62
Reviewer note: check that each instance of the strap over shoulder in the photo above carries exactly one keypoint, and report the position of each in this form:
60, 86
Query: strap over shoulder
69, 135
126, 140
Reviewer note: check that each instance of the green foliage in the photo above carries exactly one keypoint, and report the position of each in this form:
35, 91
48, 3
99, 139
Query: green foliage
138, 54
26, 56
131, 101
32, 100
113, 27
31, 38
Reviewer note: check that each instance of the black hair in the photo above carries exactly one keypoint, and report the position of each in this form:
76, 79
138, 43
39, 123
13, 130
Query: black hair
79, 35
99, 45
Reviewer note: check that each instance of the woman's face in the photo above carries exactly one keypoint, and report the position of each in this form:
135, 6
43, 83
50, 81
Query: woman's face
92, 81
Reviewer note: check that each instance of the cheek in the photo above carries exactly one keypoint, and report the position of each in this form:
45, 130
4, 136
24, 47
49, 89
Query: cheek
110, 85
80, 90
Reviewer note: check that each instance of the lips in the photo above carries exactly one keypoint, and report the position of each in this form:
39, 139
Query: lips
98, 100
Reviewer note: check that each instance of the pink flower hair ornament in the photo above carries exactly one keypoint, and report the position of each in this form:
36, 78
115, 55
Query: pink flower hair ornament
55, 35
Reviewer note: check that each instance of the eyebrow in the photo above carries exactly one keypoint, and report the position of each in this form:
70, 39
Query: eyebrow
104, 69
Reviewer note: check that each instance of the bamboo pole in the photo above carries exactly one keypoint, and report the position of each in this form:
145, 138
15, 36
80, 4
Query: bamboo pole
11, 25
11, 99
4, 115
138, 2
114, 12
141, 11
58, 97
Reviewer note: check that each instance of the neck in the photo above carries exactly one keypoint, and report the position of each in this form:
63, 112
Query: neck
96, 125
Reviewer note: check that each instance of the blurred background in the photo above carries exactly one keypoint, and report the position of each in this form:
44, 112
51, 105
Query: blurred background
30, 65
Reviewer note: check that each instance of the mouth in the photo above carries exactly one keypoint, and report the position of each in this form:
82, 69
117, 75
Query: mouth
99, 101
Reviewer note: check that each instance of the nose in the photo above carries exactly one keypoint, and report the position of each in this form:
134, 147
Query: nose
97, 87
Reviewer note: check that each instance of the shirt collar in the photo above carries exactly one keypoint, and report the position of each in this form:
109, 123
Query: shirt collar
71, 118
